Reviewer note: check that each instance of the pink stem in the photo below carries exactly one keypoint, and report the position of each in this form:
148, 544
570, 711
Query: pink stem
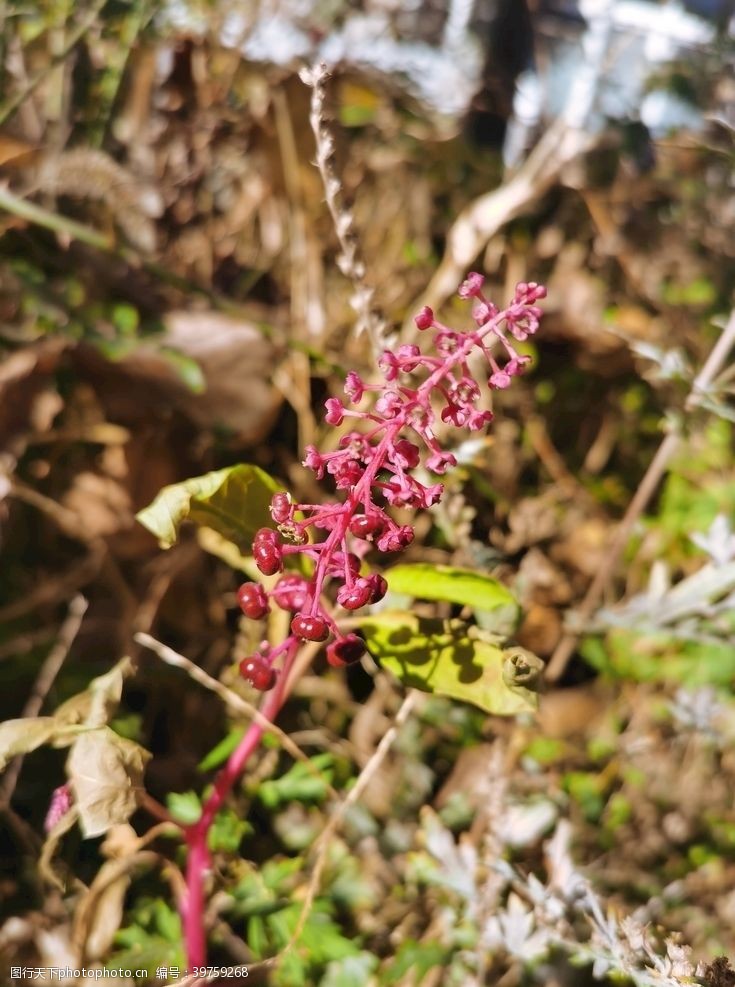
198, 859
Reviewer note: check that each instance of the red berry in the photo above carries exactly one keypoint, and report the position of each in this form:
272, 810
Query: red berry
310, 627
362, 525
266, 535
355, 596
345, 651
397, 539
258, 672
340, 561
268, 557
378, 588
290, 592
253, 600
281, 509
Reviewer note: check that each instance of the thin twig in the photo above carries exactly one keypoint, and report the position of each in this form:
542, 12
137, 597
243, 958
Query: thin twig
231, 699
44, 680
647, 488
349, 261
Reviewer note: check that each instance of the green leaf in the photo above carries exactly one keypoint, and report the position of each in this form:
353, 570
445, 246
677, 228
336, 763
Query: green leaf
257, 938
228, 831
219, 754
233, 501
419, 957
658, 656
299, 784
185, 807
464, 587
449, 658
186, 368
126, 319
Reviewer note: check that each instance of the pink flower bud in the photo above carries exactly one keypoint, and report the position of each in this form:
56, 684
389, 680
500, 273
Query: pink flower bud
425, 318
61, 802
408, 357
354, 386
388, 363
335, 411
499, 380
472, 286
313, 460
439, 462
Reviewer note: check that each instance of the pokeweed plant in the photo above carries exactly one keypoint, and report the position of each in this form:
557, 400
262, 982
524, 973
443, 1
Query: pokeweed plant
394, 435
382, 461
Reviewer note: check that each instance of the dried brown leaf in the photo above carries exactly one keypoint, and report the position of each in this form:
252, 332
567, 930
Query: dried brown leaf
23, 736
106, 774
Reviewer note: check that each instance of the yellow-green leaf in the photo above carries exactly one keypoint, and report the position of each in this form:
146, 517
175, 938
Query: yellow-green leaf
233, 501
449, 658
465, 587
23, 736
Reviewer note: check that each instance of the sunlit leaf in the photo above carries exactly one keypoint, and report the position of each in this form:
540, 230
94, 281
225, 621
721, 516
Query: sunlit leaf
465, 587
233, 501
447, 658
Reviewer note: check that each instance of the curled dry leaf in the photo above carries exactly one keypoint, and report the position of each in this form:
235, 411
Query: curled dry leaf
49, 848
106, 775
23, 736
100, 699
99, 914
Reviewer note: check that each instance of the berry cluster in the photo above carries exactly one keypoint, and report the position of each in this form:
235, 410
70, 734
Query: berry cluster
376, 467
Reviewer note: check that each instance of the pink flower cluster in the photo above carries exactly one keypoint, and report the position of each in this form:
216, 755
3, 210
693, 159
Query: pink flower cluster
377, 466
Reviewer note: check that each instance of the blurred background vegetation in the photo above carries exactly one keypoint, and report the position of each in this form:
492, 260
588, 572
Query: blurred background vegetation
170, 304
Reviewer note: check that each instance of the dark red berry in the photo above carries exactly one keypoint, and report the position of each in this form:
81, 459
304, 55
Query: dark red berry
407, 452
253, 600
378, 588
363, 525
310, 627
281, 509
290, 592
345, 651
263, 535
397, 539
268, 557
339, 561
258, 672
355, 596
